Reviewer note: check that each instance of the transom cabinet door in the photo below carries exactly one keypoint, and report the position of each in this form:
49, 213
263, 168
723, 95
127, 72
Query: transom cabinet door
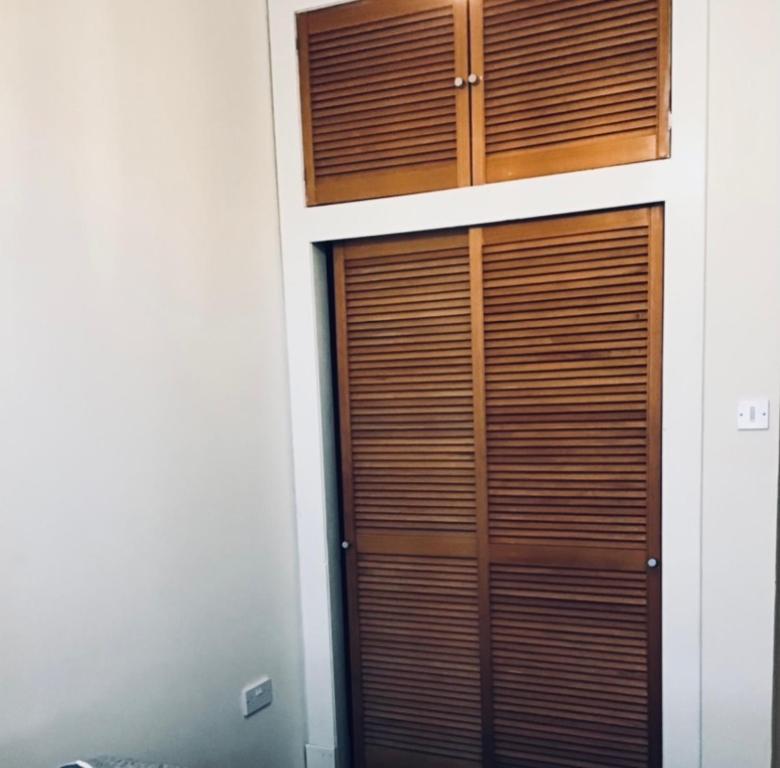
500, 410
567, 85
381, 113
403, 96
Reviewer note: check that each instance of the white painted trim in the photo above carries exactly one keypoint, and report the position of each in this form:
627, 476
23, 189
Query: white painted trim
320, 757
680, 183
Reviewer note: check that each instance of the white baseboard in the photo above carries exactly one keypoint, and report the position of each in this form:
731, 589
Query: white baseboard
320, 757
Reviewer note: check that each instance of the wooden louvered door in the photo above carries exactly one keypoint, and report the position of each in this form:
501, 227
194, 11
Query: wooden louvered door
568, 85
406, 410
572, 338
543, 87
381, 115
500, 410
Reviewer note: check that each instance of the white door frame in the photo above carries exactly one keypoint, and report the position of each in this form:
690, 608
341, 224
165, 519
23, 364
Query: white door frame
680, 183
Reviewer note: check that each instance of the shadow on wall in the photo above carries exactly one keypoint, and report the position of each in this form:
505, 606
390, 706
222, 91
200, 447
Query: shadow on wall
776, 697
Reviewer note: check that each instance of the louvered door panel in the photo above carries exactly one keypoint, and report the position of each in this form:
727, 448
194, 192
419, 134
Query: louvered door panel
406, 399
381, 115
408, 355
572, 334
568, 85
570, 661
419, 648
567, 338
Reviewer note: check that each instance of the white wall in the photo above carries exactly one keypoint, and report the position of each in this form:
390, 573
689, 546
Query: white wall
147, 544
742, 359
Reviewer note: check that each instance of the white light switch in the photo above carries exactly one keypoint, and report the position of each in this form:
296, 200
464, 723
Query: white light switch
753, 414
256, 696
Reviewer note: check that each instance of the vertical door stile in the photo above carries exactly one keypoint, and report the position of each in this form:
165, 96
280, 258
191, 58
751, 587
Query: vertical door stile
460, 11
664, 78
654, 504
480, 472
477, 91
348, 509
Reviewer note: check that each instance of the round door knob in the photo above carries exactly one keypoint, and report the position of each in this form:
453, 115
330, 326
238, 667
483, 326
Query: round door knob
652, 563
473, 78
459, 82
345, 545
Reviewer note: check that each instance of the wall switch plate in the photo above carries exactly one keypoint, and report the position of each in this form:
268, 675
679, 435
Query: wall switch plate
753, 414
256, 696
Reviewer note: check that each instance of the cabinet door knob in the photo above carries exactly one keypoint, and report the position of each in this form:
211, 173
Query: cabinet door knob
652, 563
459, 82
345, 545
473, 78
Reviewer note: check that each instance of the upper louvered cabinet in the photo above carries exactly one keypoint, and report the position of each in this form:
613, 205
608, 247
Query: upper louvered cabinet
567, 85
404, 96
381, 113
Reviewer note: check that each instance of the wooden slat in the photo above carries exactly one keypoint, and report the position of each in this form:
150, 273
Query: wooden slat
562, 552
482, 491
381, 115
654, 416
462, 545
568, 85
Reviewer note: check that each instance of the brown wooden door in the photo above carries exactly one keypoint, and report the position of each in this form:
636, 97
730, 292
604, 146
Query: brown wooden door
567, 85
381, 113
407, 412
572, 314
500, 400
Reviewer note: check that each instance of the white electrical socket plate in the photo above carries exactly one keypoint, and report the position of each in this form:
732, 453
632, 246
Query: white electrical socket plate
256, 696
753, 414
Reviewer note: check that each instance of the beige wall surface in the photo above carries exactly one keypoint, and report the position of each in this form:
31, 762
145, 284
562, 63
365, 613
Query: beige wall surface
742, 359
147, 542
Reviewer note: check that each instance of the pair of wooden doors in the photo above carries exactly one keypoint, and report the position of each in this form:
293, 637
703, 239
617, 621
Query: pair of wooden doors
500, 412
403, 96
